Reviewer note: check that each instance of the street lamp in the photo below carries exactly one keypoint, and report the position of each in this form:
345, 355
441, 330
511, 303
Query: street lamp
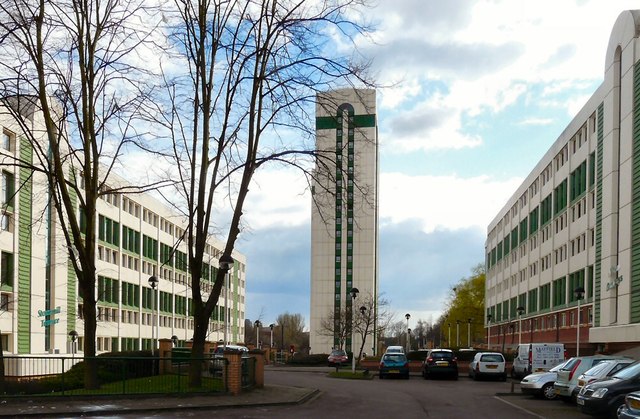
153, 283
271, 326
407, 316
257, 324
469, 332
489, 316
408, 339
579, 292
73, 335
449, 338
174, 340
354, 294
225, 263
458, 333
520, 311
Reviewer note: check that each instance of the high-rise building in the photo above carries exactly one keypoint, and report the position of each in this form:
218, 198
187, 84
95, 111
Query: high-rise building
138, 237
563, 254
344, 220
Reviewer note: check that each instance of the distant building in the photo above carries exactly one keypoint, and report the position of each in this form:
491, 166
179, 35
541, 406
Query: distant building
574, 223
39, 296
344, 220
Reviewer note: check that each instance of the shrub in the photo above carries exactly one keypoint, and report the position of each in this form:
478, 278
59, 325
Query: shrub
311, 360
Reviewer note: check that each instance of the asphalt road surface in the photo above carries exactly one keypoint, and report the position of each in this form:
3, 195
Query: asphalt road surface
396, 398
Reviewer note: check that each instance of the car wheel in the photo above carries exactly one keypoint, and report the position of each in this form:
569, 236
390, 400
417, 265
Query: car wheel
406, 377
455, 376
548, 391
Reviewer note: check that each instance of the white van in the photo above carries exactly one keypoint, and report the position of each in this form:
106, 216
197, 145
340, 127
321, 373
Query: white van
535, 357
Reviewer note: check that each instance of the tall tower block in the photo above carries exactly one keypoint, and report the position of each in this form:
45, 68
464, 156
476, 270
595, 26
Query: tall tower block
344, 220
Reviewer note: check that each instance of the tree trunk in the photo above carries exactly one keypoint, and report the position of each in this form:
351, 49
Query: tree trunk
197, 350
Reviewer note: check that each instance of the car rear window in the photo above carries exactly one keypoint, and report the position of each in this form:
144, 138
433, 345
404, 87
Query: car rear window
441, 355
492, 358
395, 357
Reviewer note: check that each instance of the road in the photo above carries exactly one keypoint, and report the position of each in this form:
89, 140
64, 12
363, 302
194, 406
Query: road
393, 398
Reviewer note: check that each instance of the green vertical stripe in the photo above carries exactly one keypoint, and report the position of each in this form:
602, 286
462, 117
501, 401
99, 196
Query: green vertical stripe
72, 282
598, 267
635, 193
24, 250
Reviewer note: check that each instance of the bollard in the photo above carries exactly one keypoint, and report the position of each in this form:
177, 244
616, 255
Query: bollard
513, 387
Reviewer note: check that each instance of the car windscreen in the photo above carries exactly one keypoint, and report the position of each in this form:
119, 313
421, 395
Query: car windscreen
629, 372
558, 367
492, 358
599, 369
338, 353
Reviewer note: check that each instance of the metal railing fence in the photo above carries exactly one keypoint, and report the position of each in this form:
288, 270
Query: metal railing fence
63, 376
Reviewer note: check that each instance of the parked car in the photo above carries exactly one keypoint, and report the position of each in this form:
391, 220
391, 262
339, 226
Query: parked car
631, 407
394, 350
440, 362
540, 384
602, 370
537, 357
218, 362
567, 381
605, 396
337, 357
394, 364
488, 364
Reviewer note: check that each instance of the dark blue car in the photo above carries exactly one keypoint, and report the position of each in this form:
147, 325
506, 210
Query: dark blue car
394, 364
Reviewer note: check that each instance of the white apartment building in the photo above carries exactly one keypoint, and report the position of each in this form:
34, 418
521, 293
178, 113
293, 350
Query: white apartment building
138, 237
344, 219
574, 224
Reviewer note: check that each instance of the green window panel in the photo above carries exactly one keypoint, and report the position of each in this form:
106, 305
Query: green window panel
578, 181
514, 238
560, 197
108, 230
532, 303
6, 271
560, 292
533, 220
545, 210
523, 230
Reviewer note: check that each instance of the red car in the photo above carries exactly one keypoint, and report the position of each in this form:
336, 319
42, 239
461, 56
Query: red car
337, 357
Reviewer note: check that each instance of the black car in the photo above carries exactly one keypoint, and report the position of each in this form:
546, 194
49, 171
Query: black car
440, 362
605, 396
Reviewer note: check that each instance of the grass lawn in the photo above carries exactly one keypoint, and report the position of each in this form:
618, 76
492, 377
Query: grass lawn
358, 375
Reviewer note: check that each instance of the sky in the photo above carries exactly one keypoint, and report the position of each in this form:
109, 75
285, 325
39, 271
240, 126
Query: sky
478, 91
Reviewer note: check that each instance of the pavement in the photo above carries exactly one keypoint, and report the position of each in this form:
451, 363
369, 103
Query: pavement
269, 395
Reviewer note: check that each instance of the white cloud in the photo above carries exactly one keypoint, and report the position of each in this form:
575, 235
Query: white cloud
442, 202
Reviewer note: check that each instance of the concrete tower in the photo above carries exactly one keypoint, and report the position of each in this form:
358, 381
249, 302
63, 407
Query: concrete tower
344, 220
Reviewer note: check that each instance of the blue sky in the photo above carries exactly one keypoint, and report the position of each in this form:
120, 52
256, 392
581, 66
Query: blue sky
481, 89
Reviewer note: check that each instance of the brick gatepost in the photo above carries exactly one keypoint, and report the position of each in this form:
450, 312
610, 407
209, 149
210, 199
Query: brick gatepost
258, 356
233, 372
165, 355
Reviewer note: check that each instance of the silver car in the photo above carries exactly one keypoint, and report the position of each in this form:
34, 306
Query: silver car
602, 370
567, 381
540, 384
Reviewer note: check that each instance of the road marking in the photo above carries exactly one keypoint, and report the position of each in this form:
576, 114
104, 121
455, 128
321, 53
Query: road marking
519, 408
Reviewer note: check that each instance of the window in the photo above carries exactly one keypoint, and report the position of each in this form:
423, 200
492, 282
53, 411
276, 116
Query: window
8, 189
8, 140
6, 269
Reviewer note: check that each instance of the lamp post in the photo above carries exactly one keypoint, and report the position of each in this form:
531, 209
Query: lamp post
469, 332
458, 333
579, 292
489, 316
407, 316
408, 339
271, 326
225, 263
520, 311
449, 338
153, 283
74, 336
354, 294
257, 324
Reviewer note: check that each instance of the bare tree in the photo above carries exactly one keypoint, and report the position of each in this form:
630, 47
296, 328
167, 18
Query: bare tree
292, 329
372, 321
69, 79
254, 69
336, 325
